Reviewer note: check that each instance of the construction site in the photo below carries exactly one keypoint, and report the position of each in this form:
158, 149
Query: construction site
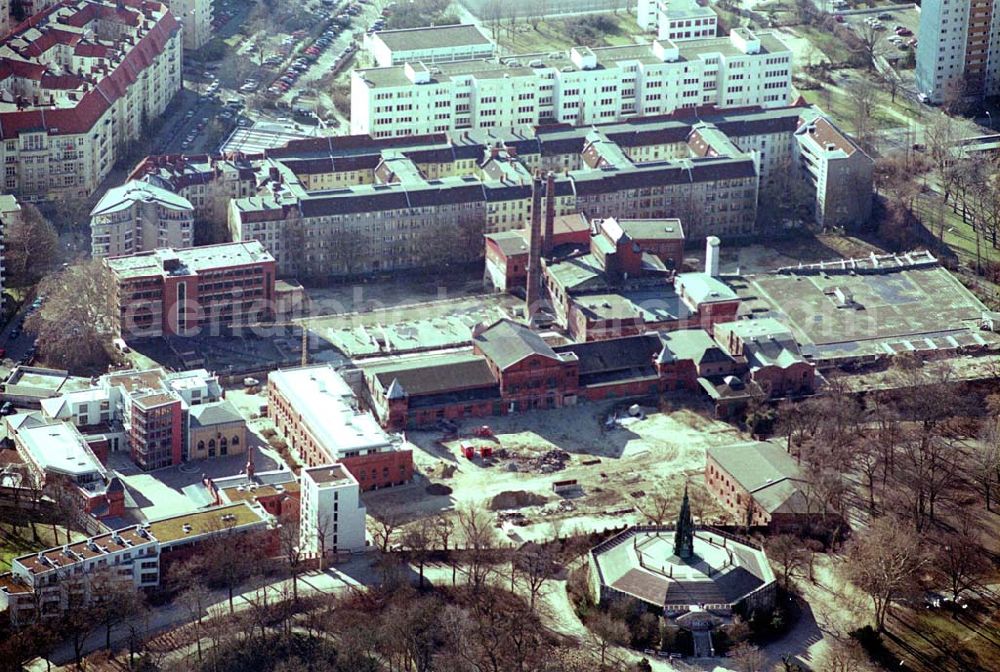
587, 467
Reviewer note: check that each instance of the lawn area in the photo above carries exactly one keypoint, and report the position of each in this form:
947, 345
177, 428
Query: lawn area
828, 43
15, 545
835, 101
557, 34
936, 640
958, 235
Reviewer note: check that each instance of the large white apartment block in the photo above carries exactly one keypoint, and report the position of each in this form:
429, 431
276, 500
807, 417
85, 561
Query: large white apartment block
677, 20
582, 87
196, 17
958, 49
332, 517
138, 216
77, 83
434, 44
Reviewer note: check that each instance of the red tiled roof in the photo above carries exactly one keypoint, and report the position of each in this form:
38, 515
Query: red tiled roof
96, 101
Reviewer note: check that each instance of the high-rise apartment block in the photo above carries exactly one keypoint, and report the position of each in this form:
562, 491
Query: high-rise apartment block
957, 52
582, 87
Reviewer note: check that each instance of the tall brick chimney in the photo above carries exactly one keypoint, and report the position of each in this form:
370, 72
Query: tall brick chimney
533, 293
550, 213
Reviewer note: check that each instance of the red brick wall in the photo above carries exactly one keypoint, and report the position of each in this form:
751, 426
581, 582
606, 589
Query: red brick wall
799, 378
628, 389
537, 382
423, 417
382, 469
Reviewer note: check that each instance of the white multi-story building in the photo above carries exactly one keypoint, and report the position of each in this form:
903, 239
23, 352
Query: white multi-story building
332, 517
77, 83
196, 17
138, 216
838, 170
44, 585
677, 20
433, 44
585, 86
957, 55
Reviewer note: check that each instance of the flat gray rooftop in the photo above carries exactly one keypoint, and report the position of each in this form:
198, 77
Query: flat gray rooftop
892, 309
433, 37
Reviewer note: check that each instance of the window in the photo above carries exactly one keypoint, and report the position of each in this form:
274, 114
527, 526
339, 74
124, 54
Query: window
201, 446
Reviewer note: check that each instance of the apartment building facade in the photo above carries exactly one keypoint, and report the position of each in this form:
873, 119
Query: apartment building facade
351, 205
78, 81
957, 53
331, 514
161, 419
840, 173
10, 215
183, 292
196, 18
677, 20
582, 87
318, 414
44, 585
139, 216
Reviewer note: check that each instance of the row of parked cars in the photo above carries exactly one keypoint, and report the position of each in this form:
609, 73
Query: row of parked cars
309, 56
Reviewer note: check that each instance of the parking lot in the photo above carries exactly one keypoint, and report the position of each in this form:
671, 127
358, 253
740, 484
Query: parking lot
899, 28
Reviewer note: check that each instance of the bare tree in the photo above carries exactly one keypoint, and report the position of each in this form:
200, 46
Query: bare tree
480, 538
290, 544
229, 559
871, 44
790, 555
382, 527
959, 558
31, 247
608, 631
982, 461
536, 564
75, 324
418, 540
116, 600
884, 563
748, 658
863, 95
657, 506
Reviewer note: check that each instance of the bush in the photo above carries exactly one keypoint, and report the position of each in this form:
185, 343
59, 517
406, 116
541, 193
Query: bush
578, 588
871, 641
590, 31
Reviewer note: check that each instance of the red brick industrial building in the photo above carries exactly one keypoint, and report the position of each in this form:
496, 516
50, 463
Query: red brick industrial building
513, 369
317, 413
759, 484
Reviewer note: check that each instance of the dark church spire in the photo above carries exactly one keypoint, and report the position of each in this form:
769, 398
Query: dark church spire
684, 535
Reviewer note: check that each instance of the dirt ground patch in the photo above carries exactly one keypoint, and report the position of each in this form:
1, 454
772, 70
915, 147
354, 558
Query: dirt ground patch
659, 452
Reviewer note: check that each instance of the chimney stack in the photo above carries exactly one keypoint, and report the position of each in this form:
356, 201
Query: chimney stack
534, 288
550, 213
712, 256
